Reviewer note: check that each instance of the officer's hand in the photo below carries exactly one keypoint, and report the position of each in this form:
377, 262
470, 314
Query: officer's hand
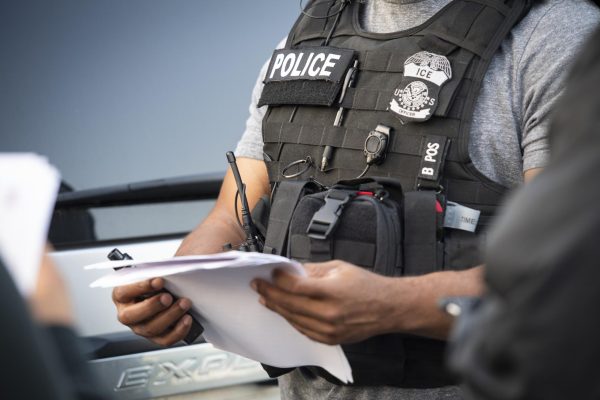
152, 314
336, 303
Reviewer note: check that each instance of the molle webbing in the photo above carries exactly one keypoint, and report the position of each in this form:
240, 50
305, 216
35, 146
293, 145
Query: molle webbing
348, 157
467, 32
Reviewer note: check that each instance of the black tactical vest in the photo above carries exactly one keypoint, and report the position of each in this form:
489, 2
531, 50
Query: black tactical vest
417, 88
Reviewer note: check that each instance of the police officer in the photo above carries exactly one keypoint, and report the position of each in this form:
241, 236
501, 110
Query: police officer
462, 107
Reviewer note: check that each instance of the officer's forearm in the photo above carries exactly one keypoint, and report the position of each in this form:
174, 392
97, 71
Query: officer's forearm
416, 300
221, 227
210, 236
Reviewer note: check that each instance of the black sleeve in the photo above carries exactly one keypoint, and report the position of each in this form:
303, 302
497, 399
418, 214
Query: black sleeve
83, 383
38, 363
28, 368
536, 335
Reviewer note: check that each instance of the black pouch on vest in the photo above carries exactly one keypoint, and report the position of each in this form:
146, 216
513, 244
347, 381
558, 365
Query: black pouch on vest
307, 76
356, 221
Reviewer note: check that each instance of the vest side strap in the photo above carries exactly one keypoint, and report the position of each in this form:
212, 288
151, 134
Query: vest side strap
287, 196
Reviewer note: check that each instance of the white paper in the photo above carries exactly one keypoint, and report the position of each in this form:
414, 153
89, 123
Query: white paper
28, 188
224, 303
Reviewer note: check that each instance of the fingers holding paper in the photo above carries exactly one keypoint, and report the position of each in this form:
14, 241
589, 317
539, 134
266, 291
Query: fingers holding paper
336, 303
150, 313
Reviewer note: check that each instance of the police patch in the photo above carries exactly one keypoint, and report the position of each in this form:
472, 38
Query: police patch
312, 76
416, 97
311, 63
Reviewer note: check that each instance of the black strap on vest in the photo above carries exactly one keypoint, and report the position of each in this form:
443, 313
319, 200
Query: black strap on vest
284, 203
422, 250
324, 222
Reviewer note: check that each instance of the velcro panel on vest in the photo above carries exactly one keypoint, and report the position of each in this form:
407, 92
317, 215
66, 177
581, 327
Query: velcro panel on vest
306, 76
316, 93
422, 251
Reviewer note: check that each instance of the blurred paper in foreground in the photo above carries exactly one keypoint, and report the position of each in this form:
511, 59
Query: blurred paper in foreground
28, 188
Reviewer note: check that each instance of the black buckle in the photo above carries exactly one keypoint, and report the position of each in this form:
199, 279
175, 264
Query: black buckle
326, 218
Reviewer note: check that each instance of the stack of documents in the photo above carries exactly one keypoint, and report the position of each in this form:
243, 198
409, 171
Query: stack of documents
223, 302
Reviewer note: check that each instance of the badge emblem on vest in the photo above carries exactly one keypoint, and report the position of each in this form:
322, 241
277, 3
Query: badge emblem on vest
424, 75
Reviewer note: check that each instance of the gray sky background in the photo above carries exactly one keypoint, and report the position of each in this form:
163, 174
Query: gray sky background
115, 91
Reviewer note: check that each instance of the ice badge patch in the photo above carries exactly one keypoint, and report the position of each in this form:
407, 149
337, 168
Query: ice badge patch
416, 97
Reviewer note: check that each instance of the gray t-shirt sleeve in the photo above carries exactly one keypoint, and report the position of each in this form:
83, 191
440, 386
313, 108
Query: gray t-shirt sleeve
543, 67
250, 144
521, 87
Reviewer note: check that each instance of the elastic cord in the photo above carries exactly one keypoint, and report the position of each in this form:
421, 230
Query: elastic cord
337, 15
337, 18
342, 6
363, 172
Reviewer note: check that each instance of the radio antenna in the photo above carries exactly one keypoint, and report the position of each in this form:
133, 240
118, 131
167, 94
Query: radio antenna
252, 239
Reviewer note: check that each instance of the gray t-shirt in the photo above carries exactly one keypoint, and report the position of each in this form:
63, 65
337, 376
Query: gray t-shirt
508, 134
